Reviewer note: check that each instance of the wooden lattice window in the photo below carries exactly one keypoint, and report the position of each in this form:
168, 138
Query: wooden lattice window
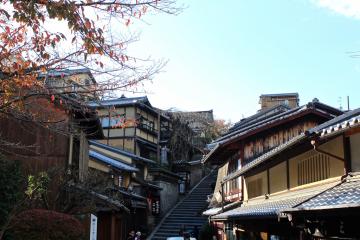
314, 168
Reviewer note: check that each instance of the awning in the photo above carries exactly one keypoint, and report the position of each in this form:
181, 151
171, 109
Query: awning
120, 151
271, 207
109, 201
149, 145
147, 184
131, 194
112, 162
343, 195
216, 210
212, 211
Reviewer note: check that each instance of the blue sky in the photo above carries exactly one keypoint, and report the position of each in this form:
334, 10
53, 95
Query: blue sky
223, 56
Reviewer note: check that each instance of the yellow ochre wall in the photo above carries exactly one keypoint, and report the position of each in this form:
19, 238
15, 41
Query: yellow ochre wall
277, 174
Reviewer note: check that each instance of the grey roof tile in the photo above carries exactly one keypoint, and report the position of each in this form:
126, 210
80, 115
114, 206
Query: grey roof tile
120, 151
275, 204
346, 120
112, 162
346, 193
270, 209
118, 102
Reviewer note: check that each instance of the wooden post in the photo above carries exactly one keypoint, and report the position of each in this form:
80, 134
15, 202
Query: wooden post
347, 155
158, 138
113, 227
108, 131
83, 156
287, 174
71, 143
222, 197
268, 180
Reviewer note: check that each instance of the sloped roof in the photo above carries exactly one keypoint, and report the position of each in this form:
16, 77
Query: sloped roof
67, 72
258, 116
258, 124
280, 95
271, 207
120, 151
279, 115
112, 162
122, 101
338, 124
345, 194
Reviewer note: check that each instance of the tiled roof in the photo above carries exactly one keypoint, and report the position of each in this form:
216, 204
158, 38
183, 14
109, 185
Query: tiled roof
165, 171
112, 162
345, 194
338, 124
280, 95
146, 183
252, 125
119, 101
266, 209
146, 143
131, 194
181, 162
120, 151
263, 122
275, 204
195, 162
67, 72
110, 200
216, 210
260, 115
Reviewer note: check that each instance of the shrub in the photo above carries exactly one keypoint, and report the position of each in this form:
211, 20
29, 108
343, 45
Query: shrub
40, 224
11, 185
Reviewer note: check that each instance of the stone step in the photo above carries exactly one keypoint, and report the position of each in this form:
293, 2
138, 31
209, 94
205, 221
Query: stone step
188, 212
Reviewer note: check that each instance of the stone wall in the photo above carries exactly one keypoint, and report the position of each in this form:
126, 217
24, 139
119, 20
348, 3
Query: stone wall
196, 174
168, 195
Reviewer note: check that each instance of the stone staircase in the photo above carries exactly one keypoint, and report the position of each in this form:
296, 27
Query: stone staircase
188, 212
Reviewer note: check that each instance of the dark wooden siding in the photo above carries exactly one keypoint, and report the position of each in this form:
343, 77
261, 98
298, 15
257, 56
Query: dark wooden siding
39, 148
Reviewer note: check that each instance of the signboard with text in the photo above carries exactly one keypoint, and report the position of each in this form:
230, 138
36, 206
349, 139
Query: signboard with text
93, 227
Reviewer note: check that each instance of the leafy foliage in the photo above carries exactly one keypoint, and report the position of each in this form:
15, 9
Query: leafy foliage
40, 224
37, 187
11, 185
217, 128
181, 147
39, 36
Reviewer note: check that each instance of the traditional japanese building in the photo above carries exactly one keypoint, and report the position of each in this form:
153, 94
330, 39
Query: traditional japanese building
137, 133
268, 164
76, 83
127, 185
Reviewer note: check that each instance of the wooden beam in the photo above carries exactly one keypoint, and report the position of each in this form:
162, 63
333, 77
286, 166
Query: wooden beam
347, 154
287, 174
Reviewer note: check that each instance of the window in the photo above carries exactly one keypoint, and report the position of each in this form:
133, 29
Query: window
255, 188
314, 168
120, 181
147, 124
